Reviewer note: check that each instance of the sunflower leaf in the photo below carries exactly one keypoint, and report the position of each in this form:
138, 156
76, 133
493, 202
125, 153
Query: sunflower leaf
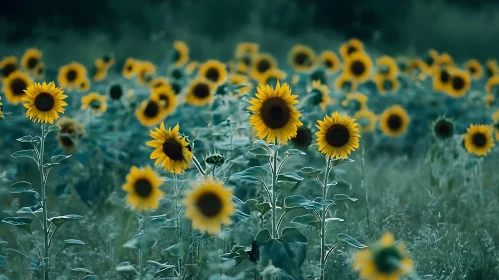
309, 172
29, 139
307, 219
350, 241
90, 277
263, 236
292, 152
52, 128
291, 234
297, 201
125, 266
22, 222
289, 176
177, 250
20, 187
24, 153
59, 158
3, 261
59, 220
252, 174
81, 270
344, 197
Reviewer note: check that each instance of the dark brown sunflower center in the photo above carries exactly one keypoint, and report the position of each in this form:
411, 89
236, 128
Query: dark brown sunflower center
71, 75
152, 109
387, 260
40, 71
457, 83
246, 60
143, 188
129, 68
173, 149
18, 86
275, 112
67, 128
263, 65
358, 68
444, 76
116, 92
394, 122
209, 204
106, 59
201, 91
328, 63
473, 70
66, 141
479, 140
303, 137
44, 102
8, 69
213, 74
95, 104
351, 49
302, 59
32, 62
337, 135
444, 129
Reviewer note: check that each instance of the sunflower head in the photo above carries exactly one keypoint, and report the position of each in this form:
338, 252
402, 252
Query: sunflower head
71, 75
94, 102
44, 102
262, 62
345, 83
200, 92
386, 84
303, 138
474, 68
338, 135
70, 133
274, 114
330, 61
83, 85
459, 84
180, 54
14, 86
385, 260
441, 79
272, 76
366, 120
31, 59
129, 68
145, 72
142, 186
492, 67
172, 149
355, 102
302, 58
350, 47
209, 205
394, 121
387, 66
358, 66
151, 111
478, 140
215, 158
319, 94
443, 128
8, 65
492, 86
214, 71
167, 98
246, 48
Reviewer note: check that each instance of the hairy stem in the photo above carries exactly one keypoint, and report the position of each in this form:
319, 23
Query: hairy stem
364, 186
323, 220
274, 194
43, 182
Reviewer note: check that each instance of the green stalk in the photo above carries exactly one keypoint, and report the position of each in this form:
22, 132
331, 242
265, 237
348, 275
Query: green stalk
274, 196
43, 183
323, 220
364, 186
141, 256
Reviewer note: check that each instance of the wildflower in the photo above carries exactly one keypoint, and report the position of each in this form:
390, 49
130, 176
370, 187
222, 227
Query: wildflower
338, 135
394, 121
143, 190
44, 102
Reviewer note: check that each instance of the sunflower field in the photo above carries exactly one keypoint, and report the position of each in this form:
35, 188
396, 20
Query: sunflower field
177, 156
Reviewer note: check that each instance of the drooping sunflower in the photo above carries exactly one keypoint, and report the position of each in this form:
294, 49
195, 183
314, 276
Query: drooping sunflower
495, 119
474, 68
358, 66
394, 121
242, 82
262, 62
478, 140
200, 92
492, 86
385, 260
70, 133
319, 94
459, 84
345, 83
303, 138
491, 66
442, 128
70, 74
172, 149
14, 86
145, 72
355, 102
150, 112
213, 70
386, 84
142, 186
441, 80
330, 61
272, 76
180, 54
350, 47
209, 205
116, 91
95, 102
129, 68
275, 116
246, 48
366, 120
167, 98
302, 57
387, 66
8, 65
44, 102
31, 58
338, 135
83, 85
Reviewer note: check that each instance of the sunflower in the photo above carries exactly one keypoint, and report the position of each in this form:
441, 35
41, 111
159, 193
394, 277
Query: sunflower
274, 114
100, 74
242, 82
209, 205
262, 62
319, 94
431, 57
303, 138
200, 92
150, 112
70, 74
159, 82
116, 91
386, 260
474, 68
213, 70
366, 120
31, 58
39, 71
95, 102
478, 140
295, 79
441, 80
386, 83
492, 67
459, 84
444, 60
83, 85
8, 66
14, 86
70, 133
350, 47
130, 68
145, 72
176, 73
443, 128
302, 57
492, 85
495, 118
172, 149
394, 121
387, 66
358, 66
272, 76
418, 66
355, 102
44, 102
166, 96
489, 100
338, 135
1, 109
345, 83
143, 190
246, 48
101, 66
330, 61
180, 54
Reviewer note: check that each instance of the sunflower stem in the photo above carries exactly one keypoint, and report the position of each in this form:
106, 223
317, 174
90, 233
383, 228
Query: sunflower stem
323, 219
274, 195
43, 182
198, 166
141, 257
364, 187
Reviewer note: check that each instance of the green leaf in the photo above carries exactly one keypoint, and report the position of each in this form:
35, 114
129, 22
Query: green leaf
22, 222
125, 266
263, 236
81, 270
177, 250
228, 256
3, 261
289, 176
350, 241
52, 128
191, 271
34, 264
160, 267
291, 234
90, 277
24, 153
254, 205
261, 151
288, 256
286, 184
334, 220
72, 242
20, 187
3, 244
30, 210
141, 240
297, 201
309, 172
292, 152
339, 197
252, 174
59, 220
29, 139
59, 158
305, 219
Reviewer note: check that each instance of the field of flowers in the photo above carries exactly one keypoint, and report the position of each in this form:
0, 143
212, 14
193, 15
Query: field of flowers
339, 163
